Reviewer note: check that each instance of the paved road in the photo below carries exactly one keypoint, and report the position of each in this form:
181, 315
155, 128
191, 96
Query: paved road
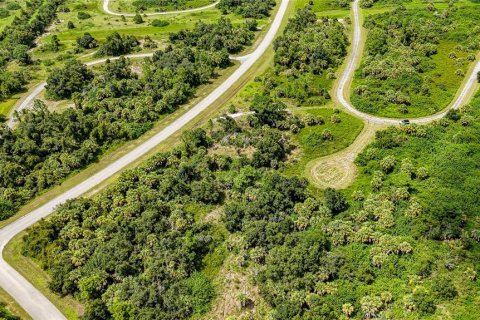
106, 5
27, 296
343, 95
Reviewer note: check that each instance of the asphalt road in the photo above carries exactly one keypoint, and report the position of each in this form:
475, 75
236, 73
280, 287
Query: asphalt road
354, 59
26, 295
106, 8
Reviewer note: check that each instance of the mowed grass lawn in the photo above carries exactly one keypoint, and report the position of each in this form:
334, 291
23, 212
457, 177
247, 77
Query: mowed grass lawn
309, 140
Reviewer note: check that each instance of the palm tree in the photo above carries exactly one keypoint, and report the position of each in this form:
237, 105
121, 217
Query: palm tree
371, 305
348, 309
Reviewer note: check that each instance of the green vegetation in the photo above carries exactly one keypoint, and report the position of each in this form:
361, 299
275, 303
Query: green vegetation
70, 22
5, 314
17, 38
155, 212
326, 131
216, 37
306, 58
415, 60
157, 5
247, 8
402, 243
393, 248
111, 106
370, 3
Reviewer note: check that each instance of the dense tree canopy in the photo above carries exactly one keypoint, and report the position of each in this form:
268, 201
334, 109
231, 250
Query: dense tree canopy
215, 37
248, 8
309, 45
111, 105
70, 78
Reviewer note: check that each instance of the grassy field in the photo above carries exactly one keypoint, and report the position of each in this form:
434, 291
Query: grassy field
154, 6
5, 5
310, 143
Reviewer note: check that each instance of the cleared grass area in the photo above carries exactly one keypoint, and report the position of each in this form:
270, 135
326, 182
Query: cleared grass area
155, 6
12, 11
312, 145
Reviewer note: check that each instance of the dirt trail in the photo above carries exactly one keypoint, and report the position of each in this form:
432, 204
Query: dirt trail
338, 170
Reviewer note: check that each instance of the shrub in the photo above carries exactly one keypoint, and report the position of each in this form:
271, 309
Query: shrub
83, 15
138, 19
13, 6
87, 41
4, 13
160, 23
117, 44
63, 82
334, 200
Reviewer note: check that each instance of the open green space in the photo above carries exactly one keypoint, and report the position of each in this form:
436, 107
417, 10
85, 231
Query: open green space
8, 11
415, 59
337, 132
145, 6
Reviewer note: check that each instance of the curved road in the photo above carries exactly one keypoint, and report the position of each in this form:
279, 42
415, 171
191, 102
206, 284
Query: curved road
106, 5
342, 94
27, 296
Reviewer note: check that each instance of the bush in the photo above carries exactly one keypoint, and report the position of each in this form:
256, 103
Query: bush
83, 15
87, 41
13, 6
453, 115
116, 45
334, 200
70, 25
4, 13
21, 54
160, 23
63, 82
138, 19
